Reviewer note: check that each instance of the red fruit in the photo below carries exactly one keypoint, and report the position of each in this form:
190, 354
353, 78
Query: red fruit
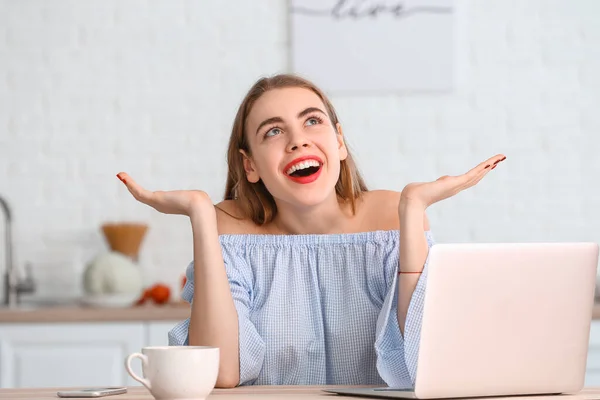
160, 293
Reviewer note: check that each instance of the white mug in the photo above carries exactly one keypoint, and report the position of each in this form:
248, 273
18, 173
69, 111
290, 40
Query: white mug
177, 372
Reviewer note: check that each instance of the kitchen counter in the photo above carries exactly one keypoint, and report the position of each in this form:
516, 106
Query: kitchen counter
76, 313
239, 393
256, 392
169, 312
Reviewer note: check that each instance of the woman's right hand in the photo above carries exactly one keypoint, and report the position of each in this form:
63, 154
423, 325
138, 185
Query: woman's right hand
182, 202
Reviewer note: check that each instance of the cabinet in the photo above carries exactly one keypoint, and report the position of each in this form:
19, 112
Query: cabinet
74, 354
93, 354
158, 332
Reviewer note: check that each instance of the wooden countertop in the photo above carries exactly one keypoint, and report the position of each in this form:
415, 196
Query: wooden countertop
140, 393
170, 312
251, 393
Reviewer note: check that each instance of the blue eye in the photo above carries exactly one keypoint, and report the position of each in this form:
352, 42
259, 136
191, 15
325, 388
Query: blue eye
315, 120
274, 130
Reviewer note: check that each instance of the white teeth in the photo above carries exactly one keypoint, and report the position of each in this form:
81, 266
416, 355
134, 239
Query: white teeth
302, 165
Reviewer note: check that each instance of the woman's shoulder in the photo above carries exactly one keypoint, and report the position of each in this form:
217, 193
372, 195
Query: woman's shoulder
377, 211
231, 219
391, 198
381, 210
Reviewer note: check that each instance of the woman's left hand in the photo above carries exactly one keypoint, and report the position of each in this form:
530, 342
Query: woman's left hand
424, 194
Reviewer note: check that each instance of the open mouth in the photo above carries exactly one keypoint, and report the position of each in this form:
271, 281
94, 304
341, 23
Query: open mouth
300, 173
305, 171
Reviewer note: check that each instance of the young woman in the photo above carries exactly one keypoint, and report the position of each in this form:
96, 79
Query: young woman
302, 275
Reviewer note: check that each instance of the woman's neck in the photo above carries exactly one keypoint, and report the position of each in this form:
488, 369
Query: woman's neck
332, 216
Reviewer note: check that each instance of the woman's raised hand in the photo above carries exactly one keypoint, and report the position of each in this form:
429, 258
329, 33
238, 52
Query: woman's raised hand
182, 202
425, 194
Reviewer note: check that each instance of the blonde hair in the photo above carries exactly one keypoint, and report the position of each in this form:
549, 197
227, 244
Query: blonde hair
254, 199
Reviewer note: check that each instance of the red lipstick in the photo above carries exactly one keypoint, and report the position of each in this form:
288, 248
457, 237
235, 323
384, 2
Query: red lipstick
303, 179
300, 159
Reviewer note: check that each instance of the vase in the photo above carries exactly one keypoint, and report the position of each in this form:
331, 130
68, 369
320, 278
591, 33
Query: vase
117, 272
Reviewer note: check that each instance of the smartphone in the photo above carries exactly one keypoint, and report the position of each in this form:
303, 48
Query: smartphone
93, 392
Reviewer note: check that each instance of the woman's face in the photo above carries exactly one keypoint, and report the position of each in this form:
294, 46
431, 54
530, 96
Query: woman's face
296, 150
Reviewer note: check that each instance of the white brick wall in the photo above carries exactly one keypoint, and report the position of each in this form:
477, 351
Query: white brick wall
88, 89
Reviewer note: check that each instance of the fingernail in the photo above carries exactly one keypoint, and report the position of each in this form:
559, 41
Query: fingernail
487, 166
121, 179
494, 166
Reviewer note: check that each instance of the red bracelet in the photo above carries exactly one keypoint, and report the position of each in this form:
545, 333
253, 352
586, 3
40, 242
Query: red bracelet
409, 272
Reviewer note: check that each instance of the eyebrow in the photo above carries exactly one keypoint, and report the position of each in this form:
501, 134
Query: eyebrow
279, 119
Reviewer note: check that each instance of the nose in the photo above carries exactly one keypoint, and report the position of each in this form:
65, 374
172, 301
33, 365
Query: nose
297, 141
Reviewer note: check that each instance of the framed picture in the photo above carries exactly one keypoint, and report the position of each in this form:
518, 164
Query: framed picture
374, 46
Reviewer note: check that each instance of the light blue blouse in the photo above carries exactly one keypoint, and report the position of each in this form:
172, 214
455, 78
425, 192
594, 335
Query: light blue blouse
319, 309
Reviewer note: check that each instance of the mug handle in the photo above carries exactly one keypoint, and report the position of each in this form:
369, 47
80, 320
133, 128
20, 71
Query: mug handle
144, 359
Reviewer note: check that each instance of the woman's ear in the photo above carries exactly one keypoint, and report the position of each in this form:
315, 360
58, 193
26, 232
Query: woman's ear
250, 168
343, 151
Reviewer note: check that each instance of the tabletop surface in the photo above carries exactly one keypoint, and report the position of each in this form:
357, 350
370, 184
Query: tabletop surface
250, 393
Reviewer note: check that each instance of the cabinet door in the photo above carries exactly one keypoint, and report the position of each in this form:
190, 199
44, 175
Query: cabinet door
592, 373
69, 354
158, 332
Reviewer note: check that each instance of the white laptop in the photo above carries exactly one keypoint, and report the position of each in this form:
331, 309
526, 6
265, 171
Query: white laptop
502, 319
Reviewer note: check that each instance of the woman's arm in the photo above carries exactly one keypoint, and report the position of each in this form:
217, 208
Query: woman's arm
414, 200
413, 253
213, 320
